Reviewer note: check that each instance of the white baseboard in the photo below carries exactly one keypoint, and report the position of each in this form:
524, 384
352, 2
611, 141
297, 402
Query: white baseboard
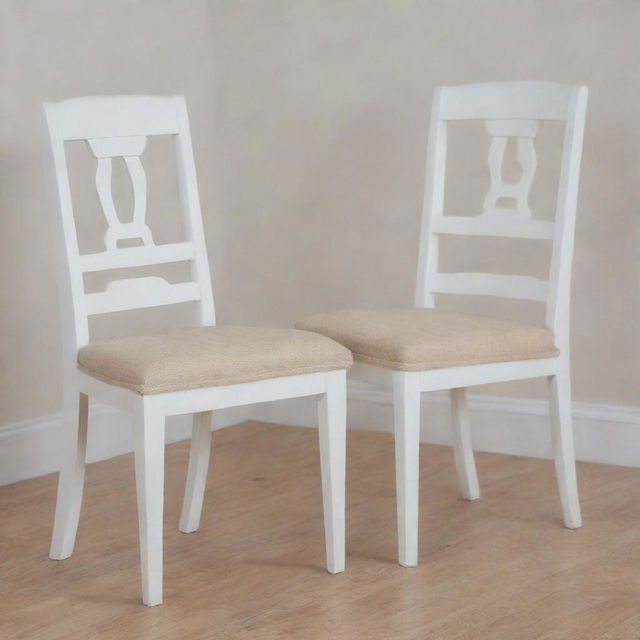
604, 433
33, 448
518, 426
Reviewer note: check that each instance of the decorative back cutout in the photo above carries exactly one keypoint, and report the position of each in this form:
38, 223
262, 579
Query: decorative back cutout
130, 149
524, 131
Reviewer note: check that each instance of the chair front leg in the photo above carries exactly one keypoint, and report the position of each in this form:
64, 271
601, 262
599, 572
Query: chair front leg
406, 409
332, 434
462, 449
197, 472
149, 429
71, 478
562, 436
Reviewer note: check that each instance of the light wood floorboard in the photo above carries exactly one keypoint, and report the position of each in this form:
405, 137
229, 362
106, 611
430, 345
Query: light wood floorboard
502, 567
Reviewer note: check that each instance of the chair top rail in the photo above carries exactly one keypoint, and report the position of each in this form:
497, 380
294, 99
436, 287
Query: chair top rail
94, 117
520, 100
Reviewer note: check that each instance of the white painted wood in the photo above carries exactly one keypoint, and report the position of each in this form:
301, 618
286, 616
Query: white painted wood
138, 293
192, 215
466, 376
71, 482
118, 397
511, 109
199, 454
121, 146
115, 116
454, 377
484, 225
506, 105
213, 398
406, 411
333, 443
490, 284
433, 201
136, 257
462, 447
196, 400
148, 439
557, 314
75, 327
137, 228
117, 127
116, 230
562, 436
518, 100
512, 129
523, 131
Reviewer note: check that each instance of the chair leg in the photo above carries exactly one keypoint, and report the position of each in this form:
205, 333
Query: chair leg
332, 435
197, 472
71, 478
406, 407
463, 451
562, 436
149, 428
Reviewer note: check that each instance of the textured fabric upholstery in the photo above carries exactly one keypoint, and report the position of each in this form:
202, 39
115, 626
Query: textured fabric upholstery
208, 356
422, 339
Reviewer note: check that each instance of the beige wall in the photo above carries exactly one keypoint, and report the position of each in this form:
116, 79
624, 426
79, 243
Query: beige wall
309, 121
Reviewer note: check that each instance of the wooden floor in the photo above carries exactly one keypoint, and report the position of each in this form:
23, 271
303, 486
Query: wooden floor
501, 567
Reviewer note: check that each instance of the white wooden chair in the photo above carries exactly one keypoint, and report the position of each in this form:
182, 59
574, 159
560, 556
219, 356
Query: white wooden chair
192, 370
424, 349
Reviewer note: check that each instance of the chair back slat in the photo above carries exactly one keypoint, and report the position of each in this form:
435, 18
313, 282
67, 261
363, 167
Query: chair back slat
118, 127
504, 227
511, 110
137, 257
140, 293
490, 284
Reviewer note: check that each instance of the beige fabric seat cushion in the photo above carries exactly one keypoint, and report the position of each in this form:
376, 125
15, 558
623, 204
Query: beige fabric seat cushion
209, 357
422, 339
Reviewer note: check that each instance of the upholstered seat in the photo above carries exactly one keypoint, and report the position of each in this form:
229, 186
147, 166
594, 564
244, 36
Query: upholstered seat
209, 357
423, 339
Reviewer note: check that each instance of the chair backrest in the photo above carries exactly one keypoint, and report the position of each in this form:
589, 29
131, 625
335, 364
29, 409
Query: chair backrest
511, 110
117, 127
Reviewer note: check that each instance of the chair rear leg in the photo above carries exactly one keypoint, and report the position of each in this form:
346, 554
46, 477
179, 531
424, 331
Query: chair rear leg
562, 436
332, 435
71, 478
406, 407
197, 472
462, 449
148, 432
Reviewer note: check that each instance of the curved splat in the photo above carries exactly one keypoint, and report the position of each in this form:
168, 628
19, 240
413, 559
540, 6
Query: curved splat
501, 130
129, 148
